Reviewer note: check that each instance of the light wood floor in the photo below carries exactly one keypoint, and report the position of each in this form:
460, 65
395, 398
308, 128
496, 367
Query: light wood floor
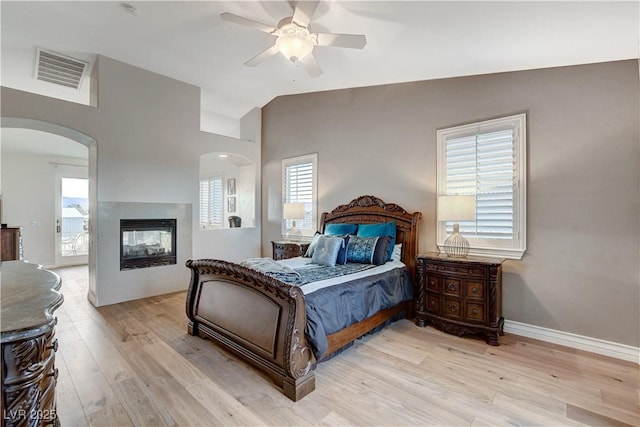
134, 364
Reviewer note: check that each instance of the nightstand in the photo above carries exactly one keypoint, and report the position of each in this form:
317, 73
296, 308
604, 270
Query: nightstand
285, 250
460, 295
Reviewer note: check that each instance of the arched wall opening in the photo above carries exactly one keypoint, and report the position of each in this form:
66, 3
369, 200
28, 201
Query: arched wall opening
227, 191
91, 144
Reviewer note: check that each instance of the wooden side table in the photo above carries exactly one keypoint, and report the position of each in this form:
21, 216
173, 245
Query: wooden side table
460, 295
285, 250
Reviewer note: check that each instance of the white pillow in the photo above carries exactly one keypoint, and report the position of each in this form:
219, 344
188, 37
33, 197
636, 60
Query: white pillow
396, 255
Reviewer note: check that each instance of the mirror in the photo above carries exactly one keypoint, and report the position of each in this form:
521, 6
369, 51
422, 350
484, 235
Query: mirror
227, 191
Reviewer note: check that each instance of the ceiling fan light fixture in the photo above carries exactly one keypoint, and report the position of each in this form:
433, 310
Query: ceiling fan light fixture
294, 42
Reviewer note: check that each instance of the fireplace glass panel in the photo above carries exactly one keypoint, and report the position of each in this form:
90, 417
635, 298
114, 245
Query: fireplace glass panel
147, 243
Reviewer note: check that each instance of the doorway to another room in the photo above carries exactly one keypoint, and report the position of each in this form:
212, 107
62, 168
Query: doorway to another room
72, 216
48, 190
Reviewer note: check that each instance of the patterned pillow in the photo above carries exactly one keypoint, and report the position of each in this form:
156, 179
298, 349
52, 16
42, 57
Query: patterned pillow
326, 251
382, 229
368, 250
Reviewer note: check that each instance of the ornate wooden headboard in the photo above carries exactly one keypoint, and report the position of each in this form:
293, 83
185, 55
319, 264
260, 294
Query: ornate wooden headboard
372, 210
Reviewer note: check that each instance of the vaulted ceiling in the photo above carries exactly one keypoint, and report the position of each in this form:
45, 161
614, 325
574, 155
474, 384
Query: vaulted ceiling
406, 41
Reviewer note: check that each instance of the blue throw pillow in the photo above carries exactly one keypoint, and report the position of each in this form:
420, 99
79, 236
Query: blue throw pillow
382, 229
340, 229
326, 251
368, 250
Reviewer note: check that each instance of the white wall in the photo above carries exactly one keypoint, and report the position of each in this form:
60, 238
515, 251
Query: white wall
211, 164
149, 143
141, 282
580, 273
29, 201
245, 183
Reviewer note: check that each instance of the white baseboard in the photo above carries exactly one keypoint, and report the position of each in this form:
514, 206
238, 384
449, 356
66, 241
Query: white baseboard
594, 345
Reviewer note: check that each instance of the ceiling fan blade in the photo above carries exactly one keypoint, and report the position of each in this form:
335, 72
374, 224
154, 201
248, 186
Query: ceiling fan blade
303, 12
353, 41
311, 66
273, 50
247, 22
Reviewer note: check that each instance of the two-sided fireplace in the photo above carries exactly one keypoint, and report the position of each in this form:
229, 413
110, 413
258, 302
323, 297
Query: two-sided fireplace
147, 243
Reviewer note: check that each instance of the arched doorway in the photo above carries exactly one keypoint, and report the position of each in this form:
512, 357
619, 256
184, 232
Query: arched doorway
90, 143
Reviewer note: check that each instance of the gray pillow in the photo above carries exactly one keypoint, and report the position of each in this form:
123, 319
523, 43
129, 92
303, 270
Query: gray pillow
326, 250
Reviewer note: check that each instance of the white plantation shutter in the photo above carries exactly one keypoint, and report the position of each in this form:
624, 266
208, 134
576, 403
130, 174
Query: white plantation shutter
486, 160
299, 186
483, 164
211, 202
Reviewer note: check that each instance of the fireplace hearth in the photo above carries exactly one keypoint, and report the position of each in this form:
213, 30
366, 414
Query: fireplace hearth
147, 243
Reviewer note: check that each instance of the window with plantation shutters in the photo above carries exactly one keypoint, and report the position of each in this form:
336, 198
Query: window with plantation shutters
299, 185
487, 160
211, 202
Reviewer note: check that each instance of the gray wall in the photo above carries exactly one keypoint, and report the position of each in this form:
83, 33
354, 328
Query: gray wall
580, 273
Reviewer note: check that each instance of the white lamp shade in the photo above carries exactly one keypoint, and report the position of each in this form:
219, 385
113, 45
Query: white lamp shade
293, 211
456, 208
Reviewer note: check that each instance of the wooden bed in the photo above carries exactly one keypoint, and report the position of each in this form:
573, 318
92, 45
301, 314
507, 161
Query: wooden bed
263, 319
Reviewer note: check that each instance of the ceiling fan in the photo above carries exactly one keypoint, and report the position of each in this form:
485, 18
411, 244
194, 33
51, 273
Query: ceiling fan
294, 39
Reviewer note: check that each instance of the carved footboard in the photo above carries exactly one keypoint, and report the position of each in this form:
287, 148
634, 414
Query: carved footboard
257, 317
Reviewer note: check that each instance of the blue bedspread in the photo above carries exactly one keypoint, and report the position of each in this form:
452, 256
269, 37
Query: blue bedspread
335, 307
302, 276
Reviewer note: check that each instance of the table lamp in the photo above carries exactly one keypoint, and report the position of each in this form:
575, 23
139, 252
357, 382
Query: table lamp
293, 211
456, 208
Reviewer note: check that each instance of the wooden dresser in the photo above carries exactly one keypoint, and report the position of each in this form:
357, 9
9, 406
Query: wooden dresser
460, 295
10, 249
29, 297
285, 250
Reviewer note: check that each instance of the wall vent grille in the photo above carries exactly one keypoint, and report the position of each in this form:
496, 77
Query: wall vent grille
59, 69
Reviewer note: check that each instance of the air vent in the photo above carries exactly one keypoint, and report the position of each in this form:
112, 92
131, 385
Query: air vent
59, 69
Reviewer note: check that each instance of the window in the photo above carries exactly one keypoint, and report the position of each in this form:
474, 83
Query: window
488, 160
211, 202
299, 185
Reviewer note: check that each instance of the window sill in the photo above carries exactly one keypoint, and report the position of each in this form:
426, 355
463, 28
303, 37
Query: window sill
494, 252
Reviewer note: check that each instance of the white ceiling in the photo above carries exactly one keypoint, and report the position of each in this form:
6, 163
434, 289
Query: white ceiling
407, 41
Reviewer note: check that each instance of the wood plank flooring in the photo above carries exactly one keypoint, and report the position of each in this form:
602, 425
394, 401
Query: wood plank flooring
134, 364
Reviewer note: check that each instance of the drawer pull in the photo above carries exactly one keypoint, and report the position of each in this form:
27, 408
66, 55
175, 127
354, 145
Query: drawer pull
432, 302
474, 289
53, 346
453, 308
474, 311
451, 286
